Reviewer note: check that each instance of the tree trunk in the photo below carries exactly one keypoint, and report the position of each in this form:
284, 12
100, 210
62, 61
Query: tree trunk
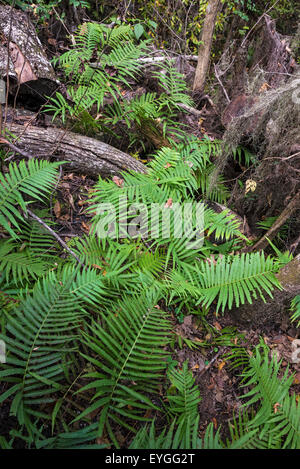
84, 154
23, 61
206, 42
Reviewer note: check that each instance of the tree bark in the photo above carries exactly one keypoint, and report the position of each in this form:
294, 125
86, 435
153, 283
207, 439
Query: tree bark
206, 43
22, 58
84, 154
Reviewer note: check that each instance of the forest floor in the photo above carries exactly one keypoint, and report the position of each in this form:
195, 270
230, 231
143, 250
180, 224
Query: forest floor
205, 342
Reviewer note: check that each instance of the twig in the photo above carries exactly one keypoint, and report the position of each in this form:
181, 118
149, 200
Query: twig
282, 158
221, 84
294, 245
257, 22
190, 109
58, 238
287, 212
212, 361
15, 148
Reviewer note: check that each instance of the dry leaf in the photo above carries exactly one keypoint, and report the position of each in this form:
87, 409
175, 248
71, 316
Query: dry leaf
71, 201
21, 65
86, 226
276, 406
52, 41
118, 181
264, 87
221, 365
57, 209
169, 203
217, 326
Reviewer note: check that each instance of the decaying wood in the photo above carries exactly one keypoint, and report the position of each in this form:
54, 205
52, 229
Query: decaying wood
22, 57
84, 154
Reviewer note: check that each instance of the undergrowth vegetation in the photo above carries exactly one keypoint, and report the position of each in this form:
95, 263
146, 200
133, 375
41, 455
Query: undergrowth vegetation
89, 338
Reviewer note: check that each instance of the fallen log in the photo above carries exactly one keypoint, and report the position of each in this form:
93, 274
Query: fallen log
84, 154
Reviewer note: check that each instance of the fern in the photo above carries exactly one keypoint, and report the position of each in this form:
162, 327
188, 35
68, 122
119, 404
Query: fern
227, 280
129, 358
97, 51
295, 308
169, 438
173, 84
278, 415
34, 179
85, 438
41, 335
184, 402
19, 266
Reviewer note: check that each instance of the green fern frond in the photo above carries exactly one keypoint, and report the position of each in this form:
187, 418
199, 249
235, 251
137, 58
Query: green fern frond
217, 192
266, 386
173, 84
228, 280
85, 438
33, 179
183, 398
40, 336
128, 357
19, 266
169, 438
286, 423
295, 308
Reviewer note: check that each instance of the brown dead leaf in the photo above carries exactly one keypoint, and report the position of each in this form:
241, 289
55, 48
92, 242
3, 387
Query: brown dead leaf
297, 378
52, 41
21, 65
82, 202
103, 441
169, 203
71, 201
57, 209
65, 217
276, 406
86, 226
264, 87
118, 181
217, 326
221, 365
